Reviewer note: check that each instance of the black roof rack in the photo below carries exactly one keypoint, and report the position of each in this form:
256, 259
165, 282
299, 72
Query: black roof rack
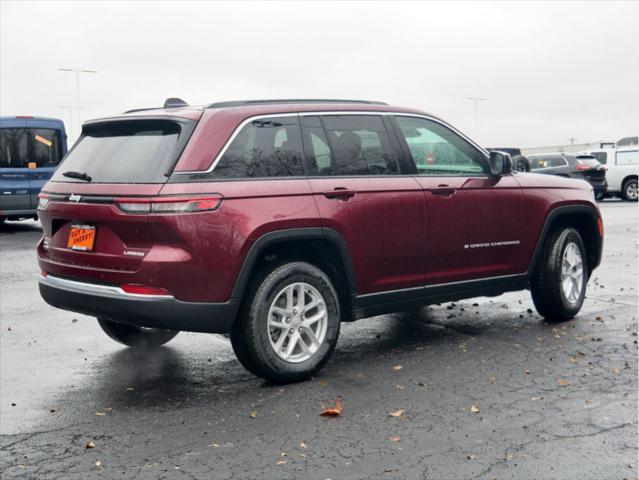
168, 103
244, 103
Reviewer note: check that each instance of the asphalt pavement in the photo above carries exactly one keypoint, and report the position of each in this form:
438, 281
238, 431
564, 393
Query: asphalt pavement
482, 388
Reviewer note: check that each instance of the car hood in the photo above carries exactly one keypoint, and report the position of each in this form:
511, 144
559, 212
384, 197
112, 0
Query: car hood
539, 180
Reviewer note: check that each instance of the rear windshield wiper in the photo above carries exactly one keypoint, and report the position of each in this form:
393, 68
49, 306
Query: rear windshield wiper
78, 175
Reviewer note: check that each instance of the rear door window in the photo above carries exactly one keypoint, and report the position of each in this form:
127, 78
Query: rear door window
266, 147
21, 146
138, 151
349, 145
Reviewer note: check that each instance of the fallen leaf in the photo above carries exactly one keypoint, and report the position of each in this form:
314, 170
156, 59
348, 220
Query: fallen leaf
282, 461
421, 384
527, 372
89, 444
301, 455
536, 398
98, 463
470, 456
474, 409
100, 414
53, 409
397, 413
216, 445
253, 414
394, 438
303, 445
323, 382
400, 387
335, 411
397, 367
563, 382
492, 379
616, 370
130, 388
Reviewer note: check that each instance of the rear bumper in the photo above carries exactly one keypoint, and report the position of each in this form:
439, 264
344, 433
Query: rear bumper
155, 311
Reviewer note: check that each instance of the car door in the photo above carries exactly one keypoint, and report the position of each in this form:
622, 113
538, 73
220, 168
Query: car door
355, 176
14, 174
476, 222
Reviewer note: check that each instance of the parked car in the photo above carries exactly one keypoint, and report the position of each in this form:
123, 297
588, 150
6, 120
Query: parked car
623, 168
584, 167
30, 150
520, 162
276, 221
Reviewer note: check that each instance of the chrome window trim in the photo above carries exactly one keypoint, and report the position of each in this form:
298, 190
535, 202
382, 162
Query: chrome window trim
93, 288
323, 113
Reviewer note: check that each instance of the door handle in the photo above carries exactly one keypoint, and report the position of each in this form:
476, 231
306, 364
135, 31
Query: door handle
339, 193
444, 190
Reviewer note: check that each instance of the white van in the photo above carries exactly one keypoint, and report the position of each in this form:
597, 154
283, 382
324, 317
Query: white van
623, 167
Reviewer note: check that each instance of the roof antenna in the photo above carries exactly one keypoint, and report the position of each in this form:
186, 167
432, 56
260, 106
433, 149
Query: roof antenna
174, 102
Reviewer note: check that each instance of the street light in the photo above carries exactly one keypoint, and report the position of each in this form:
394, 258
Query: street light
78, 105
476, 100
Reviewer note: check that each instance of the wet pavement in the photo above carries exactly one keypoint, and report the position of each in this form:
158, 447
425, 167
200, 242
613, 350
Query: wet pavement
487, 389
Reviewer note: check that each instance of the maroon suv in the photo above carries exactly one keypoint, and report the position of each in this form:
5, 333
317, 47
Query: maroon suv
275, 221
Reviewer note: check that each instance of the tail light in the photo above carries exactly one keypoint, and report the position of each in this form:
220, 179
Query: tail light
601, 227
169, 204
582, 166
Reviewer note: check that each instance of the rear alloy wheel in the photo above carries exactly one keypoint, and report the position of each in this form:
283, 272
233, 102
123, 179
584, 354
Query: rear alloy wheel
290, 323
133, 336
558, 285
630, 190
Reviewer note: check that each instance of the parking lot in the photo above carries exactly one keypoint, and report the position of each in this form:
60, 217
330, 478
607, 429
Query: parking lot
478, 389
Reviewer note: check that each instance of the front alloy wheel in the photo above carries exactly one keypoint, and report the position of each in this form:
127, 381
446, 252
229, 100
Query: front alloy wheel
558, 285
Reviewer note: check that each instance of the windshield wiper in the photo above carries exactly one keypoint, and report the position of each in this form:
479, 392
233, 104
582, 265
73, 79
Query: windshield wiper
78, 175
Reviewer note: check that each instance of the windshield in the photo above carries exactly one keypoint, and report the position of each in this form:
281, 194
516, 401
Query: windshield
21, 146
123, 152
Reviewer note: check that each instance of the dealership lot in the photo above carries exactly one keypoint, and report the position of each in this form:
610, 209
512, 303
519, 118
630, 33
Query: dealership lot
481, 388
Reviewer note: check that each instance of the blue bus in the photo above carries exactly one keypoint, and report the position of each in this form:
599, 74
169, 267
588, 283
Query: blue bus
30, 150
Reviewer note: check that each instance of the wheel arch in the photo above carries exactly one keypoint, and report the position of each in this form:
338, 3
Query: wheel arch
585, 219
319, 246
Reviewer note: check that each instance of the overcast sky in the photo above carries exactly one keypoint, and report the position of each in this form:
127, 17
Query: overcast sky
550, 71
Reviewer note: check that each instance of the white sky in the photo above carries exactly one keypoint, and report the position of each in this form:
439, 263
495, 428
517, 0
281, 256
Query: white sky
550, 71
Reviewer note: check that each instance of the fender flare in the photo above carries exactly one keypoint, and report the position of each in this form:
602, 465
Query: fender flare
307, 233
564, 211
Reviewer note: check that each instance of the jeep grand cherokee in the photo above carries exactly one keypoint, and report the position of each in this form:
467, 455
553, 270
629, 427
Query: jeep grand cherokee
275, 221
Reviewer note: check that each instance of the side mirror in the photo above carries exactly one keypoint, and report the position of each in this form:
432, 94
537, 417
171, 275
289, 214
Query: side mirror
500, 163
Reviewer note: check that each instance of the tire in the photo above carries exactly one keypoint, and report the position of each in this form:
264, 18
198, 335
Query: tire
547, 285
629, 190
257, 342
133, 336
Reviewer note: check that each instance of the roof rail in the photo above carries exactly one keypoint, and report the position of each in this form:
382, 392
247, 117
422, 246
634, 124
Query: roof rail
168, 103
244, 103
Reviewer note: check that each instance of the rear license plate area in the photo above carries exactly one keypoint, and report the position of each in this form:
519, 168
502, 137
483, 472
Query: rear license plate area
81, 237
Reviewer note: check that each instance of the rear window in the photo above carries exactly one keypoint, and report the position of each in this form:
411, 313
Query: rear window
126, 152
547, 162
21, 146
588, 161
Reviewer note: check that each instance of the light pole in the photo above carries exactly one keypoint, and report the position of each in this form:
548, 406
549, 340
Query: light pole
78, 105
476, 101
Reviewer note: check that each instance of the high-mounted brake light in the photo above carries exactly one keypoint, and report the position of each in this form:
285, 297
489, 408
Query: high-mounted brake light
143, 289
171, 204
